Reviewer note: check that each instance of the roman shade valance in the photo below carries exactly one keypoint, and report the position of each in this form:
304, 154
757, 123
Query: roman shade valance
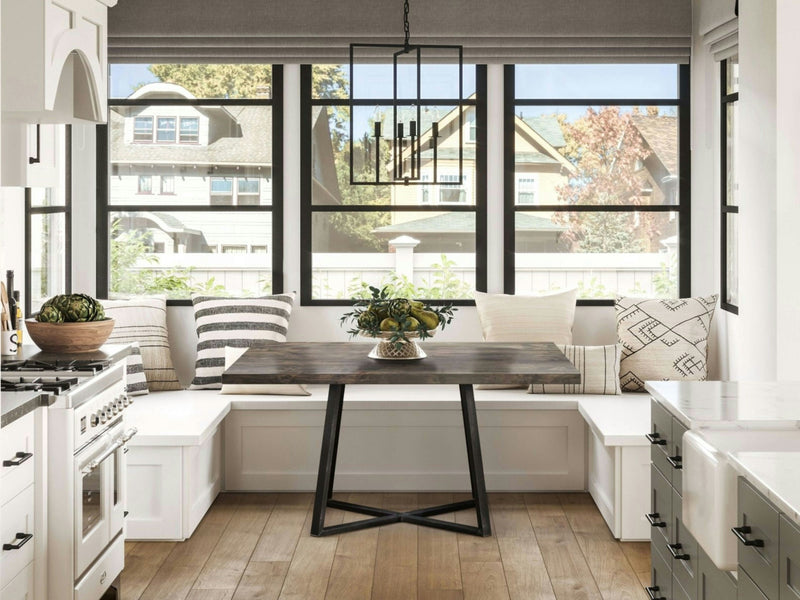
719, 26
307, 31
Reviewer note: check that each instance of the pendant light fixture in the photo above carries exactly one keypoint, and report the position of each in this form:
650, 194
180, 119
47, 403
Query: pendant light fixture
401, 143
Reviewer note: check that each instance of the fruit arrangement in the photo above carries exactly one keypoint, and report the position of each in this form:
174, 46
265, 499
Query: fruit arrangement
71, 308
397, 319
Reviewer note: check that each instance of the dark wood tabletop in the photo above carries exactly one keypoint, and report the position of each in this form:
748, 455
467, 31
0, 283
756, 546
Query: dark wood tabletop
447, 363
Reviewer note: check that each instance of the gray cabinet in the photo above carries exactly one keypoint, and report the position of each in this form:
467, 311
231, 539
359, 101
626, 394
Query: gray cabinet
713, 584
789, 560
747, 590
660, 578
758, 532
675, 458
683, 550
660, 438
660, 516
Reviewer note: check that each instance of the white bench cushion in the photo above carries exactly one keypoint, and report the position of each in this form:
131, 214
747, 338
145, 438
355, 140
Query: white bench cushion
177, 418
617, 420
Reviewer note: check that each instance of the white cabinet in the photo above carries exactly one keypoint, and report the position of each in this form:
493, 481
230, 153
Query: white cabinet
54, 59
32, 155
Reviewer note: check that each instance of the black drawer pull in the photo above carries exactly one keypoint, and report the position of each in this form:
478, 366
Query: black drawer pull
22, 539
675, 461
653, 519
124, 513
675, 549
651, 591
655, 439
19, 458
740, 532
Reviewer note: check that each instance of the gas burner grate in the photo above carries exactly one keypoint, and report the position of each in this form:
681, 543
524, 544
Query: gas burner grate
54, 385
81, 366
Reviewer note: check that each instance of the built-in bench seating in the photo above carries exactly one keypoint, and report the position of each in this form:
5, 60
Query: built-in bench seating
192, 444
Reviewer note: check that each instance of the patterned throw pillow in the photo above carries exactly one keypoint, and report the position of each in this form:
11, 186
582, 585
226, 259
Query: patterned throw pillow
144, 320
234, 322
663, 340
599, 367
135, 380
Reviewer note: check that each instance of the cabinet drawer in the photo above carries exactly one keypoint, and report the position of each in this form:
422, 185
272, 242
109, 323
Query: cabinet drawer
713, 584
660, 578
790, 560
21, 587
675, 457
758, 521
660, 437
747, 590
16, 525
678, 593
684, 550
660, 512
16, 453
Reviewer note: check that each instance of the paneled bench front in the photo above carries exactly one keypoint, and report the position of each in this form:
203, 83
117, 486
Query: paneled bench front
191, 444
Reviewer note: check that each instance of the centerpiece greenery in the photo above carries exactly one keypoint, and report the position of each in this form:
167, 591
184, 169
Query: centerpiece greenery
397, 320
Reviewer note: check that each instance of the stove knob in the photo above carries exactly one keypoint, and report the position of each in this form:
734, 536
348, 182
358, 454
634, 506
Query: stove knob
126, 401
114, 409
103, 416
94, 419
120, 403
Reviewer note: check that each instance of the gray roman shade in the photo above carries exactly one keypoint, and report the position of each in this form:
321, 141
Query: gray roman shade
306, 31
719, 27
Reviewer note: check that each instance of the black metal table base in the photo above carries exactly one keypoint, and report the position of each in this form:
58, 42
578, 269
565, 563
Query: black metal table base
422, 516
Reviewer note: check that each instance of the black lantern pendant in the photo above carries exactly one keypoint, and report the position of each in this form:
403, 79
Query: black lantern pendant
405, 145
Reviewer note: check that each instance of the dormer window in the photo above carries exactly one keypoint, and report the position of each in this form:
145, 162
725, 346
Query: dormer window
166, 130
143, 129
190, 130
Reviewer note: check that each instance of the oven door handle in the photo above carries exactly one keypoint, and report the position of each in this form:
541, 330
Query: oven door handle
109, 451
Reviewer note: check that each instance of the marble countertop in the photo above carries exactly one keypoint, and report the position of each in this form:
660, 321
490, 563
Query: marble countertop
110, 352
15, 405
730, 404
774, 474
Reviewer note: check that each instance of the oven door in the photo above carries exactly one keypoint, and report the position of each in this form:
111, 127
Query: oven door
96, 485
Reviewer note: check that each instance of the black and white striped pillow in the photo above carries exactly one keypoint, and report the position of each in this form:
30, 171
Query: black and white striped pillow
234, 322
599, 367
135, 380
144, 320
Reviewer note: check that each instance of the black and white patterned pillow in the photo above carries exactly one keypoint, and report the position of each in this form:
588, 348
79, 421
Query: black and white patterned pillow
663, 340
234, 322
135, 380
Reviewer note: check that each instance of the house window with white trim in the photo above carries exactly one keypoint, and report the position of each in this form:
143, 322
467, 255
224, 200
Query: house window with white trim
145, 185
190, 130
143, 129
165, 131
526, 189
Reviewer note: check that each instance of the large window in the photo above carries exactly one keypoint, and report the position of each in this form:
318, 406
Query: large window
427, 241
729, 191
597, 180
48, 226
190, 181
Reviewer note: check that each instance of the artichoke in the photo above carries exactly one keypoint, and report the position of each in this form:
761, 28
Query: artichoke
50, 314
61, 302
78, 310
368, 321
399, 308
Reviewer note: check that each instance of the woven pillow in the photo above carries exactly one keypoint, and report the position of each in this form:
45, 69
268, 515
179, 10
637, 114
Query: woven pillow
507, 318
599, 367
663, 340
276, 389
135, 380
234, 322
144, 320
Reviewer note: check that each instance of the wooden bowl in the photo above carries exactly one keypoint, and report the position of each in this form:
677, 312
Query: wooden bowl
70, 338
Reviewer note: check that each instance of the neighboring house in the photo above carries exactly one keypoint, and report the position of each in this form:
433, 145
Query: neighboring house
660, 136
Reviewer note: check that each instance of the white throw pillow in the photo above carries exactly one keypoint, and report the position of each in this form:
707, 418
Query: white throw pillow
599, 367
277, 389
144, 320
663, 340
507, 318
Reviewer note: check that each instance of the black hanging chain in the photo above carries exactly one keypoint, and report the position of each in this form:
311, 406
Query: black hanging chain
406, 28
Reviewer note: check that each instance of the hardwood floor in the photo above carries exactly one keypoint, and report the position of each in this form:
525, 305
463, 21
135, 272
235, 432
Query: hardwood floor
258, 546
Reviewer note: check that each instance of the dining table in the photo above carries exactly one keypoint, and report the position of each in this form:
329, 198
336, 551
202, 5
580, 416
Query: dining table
339, 364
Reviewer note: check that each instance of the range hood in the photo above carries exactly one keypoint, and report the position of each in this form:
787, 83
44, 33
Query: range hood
54, 60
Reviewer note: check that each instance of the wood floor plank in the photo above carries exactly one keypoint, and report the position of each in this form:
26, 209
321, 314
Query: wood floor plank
262, 581
484, 581
128, 547
228, 561
523, 564
472, 548
142, 561
569, 574
638, 555
438, 567
310, 569
613, 574
283, 529
210, 595
395, 574
354, 563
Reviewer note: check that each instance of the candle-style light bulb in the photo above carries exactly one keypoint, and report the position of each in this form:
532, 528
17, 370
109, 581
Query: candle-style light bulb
377, 129
413, 128
435, 129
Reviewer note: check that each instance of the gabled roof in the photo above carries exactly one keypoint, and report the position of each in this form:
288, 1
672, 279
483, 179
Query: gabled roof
548, 127
462, 222
660, 133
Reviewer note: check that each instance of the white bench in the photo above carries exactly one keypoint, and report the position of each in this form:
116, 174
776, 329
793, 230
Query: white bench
393, 438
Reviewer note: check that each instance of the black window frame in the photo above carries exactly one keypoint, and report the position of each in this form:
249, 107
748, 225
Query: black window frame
726, 209
66, 208
276, 207
307, 207
684, 177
